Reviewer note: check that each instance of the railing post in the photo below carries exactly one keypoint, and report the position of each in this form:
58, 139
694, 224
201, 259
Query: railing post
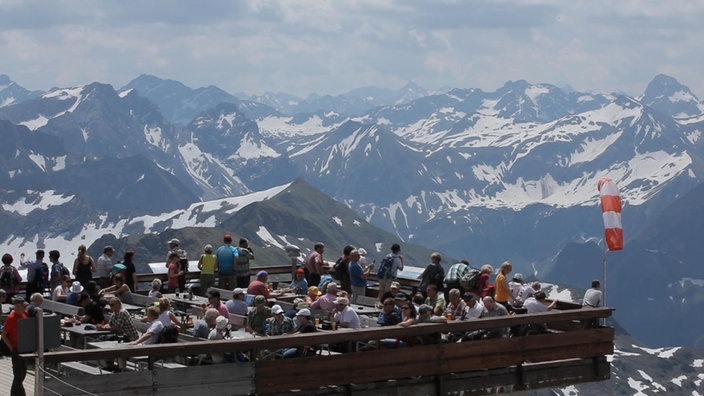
39, 361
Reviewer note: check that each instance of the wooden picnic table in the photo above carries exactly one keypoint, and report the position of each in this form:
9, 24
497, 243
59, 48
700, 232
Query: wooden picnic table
183, 302
79, 335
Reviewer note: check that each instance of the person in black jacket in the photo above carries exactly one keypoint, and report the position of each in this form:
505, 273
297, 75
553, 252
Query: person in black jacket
433, 274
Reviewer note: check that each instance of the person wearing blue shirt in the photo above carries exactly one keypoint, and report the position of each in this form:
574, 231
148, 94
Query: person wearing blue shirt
225, 264
358, 275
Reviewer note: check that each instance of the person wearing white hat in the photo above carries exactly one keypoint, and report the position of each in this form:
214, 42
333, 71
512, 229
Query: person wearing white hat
344, 315
73, 292
218, 333
306, 325
279, 324
237, 304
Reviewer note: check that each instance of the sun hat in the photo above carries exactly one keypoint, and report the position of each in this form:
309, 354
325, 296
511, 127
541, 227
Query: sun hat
303, 312
276, 309
76, 287
221, 322
314, 290
342, 300
173, 241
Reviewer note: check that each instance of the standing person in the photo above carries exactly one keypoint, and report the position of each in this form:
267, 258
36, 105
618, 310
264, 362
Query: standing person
244, 256
483, 286
182, 262
37, 274
341, 269
10, 337
173, 273
433, 274
226, 258
105, 266
10, 278
358, 276
130, 270
503, 290
206, 265
454, 274
313, 265
388, 270
84, 266
58, 270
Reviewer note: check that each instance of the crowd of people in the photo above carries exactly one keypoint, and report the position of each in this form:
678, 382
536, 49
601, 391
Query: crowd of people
461, 293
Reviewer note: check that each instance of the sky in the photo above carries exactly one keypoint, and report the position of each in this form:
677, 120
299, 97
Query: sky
332, 46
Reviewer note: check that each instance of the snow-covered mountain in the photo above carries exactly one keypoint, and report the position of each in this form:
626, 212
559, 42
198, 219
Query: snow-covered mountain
487, 176
11, 93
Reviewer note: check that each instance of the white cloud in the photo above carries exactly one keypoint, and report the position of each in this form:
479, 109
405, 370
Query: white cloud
332, 46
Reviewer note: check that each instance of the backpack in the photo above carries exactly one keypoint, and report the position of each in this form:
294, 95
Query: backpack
340, 267
7, 278
384, 271
168, 335
183, 265
243, 256
469, 280
60, 269
41, 276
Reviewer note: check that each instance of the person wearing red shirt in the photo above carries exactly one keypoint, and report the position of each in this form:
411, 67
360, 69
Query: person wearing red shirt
10, 337
259, 286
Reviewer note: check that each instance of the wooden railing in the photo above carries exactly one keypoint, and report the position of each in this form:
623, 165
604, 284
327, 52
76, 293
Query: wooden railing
570, 356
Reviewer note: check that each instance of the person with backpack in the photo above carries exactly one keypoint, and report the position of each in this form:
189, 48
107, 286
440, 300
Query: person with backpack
388, 270
225, 263
10, 278
37, 274
433, 274
58, 270
340, 269
482, 286
245, 255
454, 276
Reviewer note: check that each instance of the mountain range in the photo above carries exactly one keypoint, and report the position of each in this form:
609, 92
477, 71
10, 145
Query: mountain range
488, 176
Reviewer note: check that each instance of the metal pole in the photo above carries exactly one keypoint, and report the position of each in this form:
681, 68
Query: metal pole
294, 264
39, 361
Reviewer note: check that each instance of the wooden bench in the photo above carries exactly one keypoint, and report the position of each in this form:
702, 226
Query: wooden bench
366, 300
62, 308
224, 294
66, 368
143, 301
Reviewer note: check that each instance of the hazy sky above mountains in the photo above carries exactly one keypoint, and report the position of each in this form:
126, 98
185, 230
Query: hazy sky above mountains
330, 46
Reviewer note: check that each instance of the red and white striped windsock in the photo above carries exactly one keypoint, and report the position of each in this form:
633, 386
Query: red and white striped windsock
611, 211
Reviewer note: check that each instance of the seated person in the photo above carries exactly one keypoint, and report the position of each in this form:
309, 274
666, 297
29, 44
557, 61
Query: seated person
327, 301
214, 302
93, 310
457, 307
258, 287
300, 284
120, 289
151, 336
344, 315
61, 290
313, 294
306, 325
280, 324
390, 314
435, 299
536, 303
74, 292
220, 332
122, 324
237, 304
492, 309
473, 307
155, 291
257, 316
202, 327
426, 315
325, 278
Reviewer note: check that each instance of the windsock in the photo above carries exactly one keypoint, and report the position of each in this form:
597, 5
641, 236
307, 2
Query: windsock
611, 211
